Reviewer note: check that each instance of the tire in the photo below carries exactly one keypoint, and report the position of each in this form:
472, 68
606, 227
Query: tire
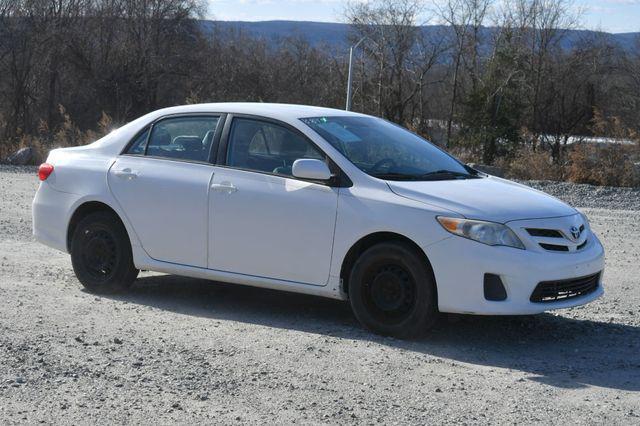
101, 254
392, 291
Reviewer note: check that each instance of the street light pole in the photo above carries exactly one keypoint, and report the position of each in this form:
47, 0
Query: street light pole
350, 75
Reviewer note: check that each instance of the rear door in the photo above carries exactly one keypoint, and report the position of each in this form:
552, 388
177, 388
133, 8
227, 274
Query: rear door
162, 184
263, 221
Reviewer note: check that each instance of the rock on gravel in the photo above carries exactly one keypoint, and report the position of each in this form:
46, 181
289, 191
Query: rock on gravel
21, 157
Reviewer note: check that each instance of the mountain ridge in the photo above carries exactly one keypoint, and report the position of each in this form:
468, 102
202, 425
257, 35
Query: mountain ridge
335, 34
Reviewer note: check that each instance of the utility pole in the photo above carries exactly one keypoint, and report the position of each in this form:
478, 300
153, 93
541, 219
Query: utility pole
350, 76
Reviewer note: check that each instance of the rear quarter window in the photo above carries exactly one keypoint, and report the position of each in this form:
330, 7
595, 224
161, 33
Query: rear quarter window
139, 144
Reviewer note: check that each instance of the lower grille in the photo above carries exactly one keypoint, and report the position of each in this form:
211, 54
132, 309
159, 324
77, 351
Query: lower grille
553, 291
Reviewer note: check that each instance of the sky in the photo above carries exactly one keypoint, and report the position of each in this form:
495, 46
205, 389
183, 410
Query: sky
616, 16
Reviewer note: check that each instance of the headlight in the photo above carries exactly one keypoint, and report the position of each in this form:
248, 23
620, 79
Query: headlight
490, 233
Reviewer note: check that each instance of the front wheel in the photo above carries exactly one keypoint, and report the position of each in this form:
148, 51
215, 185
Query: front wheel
101, 254
392, 291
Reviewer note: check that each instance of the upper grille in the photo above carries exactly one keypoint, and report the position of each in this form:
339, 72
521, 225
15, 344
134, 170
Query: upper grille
556, 240
553, 291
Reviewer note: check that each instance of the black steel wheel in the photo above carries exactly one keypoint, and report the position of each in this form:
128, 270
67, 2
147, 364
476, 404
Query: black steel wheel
389, 292
101, 253
392, 291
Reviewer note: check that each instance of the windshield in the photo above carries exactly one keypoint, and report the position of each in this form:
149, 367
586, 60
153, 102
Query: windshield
387, 151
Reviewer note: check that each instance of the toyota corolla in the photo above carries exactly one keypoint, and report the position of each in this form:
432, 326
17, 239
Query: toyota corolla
317, 201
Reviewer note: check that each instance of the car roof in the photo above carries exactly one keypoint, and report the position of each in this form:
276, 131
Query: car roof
269, 110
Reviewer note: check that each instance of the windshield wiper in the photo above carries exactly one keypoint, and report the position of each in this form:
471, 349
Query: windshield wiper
395, 176
437, 175
445, 174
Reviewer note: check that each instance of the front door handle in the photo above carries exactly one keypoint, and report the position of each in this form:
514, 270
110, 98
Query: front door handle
126, 174
227, 187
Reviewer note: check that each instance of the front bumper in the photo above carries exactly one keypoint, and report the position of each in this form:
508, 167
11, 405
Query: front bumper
459, 266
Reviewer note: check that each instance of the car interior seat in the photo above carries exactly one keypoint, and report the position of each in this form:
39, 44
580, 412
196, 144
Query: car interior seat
159, 141
193, 148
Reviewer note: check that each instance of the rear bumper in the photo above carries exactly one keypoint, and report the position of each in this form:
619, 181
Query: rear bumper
50, 213
459, 266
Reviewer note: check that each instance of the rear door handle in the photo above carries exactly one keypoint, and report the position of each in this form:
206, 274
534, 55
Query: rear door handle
227, 187
126, 174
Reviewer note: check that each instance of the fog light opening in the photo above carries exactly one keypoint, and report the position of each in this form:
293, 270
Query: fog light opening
493, 288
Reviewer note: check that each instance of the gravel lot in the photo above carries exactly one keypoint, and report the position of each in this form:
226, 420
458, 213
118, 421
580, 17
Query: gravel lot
180, 350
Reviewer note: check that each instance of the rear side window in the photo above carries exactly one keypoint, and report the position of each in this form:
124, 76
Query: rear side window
184, 138
266, 147
140, 144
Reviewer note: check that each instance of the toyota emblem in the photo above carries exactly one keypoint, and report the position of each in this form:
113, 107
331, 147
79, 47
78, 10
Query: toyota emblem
575, 232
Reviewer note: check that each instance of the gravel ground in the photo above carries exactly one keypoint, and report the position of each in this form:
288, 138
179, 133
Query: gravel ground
590, 196
180, 350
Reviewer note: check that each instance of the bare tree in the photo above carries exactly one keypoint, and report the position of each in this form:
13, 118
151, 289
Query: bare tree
466, 18
496, 77
397, 46
539, 27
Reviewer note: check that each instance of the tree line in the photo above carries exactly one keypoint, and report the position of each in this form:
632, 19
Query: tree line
496, 81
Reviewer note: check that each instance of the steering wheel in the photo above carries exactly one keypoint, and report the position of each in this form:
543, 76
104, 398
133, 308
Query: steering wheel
390, 161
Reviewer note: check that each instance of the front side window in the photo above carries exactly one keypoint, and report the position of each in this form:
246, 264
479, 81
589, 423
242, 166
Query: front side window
387, 151
185, 138
267, 147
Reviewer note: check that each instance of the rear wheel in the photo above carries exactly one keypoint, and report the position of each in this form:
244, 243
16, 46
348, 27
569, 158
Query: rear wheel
392, 291
101, 254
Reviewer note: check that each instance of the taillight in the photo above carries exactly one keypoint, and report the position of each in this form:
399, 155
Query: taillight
44, 171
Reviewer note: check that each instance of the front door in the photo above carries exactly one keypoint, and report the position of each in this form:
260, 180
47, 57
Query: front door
264, 222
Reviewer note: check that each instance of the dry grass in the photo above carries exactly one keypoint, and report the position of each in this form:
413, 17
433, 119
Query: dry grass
613, 165
532, 165
609, 165
66, 134
606, 165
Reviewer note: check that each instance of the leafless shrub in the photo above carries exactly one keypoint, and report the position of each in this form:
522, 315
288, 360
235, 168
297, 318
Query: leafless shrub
66, 134
528, 164
607, 164
611, 165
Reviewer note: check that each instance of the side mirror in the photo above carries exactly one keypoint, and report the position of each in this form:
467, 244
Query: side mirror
307, 168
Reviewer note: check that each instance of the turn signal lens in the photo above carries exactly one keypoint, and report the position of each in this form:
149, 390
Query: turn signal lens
490, 233
44, 171
449, 224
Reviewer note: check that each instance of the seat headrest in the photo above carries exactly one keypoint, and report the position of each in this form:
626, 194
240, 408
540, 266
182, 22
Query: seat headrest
189, 143
160, 137
208, 138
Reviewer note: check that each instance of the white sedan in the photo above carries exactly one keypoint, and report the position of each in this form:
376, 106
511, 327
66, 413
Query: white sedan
317, 201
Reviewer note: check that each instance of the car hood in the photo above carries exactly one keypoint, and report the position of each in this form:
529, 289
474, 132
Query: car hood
490, 198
